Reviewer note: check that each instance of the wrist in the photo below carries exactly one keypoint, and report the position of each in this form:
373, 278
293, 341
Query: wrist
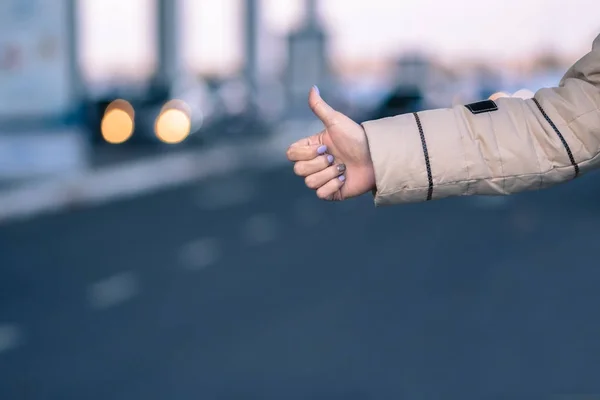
370, 168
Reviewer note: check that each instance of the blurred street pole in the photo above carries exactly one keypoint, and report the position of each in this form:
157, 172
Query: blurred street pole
311, 12
251, 29
169, 56
77, 84
307, 61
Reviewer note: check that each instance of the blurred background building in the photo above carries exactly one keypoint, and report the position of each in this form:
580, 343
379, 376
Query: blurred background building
154, 243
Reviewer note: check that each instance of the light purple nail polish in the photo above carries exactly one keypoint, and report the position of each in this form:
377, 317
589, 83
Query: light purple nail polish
330, 159
342, 178
322, 149
317, 90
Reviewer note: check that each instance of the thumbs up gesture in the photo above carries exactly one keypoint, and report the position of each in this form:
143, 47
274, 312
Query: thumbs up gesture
335, 162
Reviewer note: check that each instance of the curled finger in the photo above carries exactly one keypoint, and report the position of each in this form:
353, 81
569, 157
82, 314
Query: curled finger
331, 190
306, 168
305, 153
318, 179
310, 141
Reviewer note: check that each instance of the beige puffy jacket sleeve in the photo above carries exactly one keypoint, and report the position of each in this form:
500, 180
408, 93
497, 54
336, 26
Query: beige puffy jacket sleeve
491, 148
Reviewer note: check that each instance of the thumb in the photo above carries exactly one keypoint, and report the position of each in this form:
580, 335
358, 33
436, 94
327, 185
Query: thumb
320, 108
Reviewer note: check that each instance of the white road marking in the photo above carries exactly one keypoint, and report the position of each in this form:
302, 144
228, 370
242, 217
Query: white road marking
10, 337
260, 229
113, 290
200, 253
149, 175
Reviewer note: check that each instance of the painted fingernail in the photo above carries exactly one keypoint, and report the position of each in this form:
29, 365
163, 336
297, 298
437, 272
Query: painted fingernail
330, 159
341, 167
317, 90
342, 178
322, 149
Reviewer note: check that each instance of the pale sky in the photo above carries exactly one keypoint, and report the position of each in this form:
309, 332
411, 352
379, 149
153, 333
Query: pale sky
117, 34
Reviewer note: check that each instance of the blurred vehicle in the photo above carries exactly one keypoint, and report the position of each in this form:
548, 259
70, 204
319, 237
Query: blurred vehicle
148, 101
403, 99
375, 100
538, 80
360, 95
237, 114
217, 111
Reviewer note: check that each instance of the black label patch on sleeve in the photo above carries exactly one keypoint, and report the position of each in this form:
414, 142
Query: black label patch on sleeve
482, 106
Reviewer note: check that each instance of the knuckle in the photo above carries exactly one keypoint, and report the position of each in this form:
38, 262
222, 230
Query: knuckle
310, 182
335, 118
317, 104
333, 172
320, 136
322, 194
298, 169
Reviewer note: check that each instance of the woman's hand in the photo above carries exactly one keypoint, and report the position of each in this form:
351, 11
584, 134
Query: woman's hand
335, 162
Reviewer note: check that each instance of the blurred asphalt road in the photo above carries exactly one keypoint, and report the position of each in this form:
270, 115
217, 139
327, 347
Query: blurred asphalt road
247, 287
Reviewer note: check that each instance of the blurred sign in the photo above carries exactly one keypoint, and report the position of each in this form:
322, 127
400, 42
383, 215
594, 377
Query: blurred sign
34, 58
